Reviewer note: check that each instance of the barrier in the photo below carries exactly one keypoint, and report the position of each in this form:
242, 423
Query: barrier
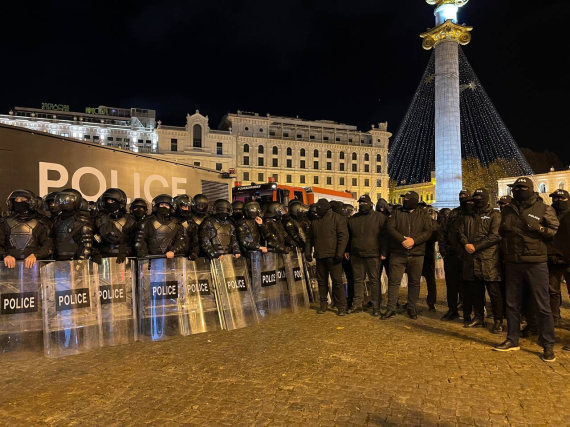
266, 293
116, 296
282, 283
161, 299
296, 280
72, 313
21, 317
313, 284
233, 288
201, 311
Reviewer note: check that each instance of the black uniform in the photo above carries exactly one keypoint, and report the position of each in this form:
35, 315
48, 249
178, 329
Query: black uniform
72, 229
217, 233
200, 208
251, 236
25, 232
191, 233
428, 268
138, 209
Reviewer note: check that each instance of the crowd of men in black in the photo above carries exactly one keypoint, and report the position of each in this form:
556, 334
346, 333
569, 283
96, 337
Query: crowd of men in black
514, 253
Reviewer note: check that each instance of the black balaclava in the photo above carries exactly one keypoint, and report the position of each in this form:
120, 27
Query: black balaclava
161, 210
336, 207
560, 205
323, 206
139, 212
521, 195
483, 201
410, 204
21, 207
111, 205
364, 207
184, 213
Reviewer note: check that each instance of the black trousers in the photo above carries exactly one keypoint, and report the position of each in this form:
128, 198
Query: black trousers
326, 267
536, 277
452, 266
428, 272
556, 274
400, 264
360, 268
474, 299
347, 268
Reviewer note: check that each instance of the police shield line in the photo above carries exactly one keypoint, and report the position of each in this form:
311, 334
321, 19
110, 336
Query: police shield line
70, 282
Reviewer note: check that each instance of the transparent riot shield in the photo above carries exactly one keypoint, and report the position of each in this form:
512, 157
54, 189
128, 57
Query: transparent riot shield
282, 282
72, 310
117, 299
234, 292
313, 284
296, 280
201, 307
21, 317
161, 299
266, 293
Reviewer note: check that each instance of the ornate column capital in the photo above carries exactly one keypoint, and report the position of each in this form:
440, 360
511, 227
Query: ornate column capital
446, 32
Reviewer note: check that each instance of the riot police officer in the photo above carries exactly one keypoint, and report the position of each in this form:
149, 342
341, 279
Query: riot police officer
281, 241
182, 212
292, 221
138, 209
24, 234
160, 233
49, 207
251, 230
72, 229
114, 228
237, 208
200, 207
217, 233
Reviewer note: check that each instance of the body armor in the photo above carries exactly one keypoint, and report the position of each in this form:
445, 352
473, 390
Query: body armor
115, 232
278, 240
218, 237
157, 235
21, 232
295, 231
73, 237
198, 218
163, 236
23, 236
249, 235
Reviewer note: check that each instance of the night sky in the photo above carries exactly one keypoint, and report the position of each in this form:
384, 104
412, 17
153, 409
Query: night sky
356, 62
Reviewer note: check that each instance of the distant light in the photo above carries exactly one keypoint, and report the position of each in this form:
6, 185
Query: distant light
445, 12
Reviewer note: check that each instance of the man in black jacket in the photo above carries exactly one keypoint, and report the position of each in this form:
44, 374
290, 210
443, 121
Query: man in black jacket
479, 237
409, 228
328, 235
366, 249
428, 269
451, 251
526, 226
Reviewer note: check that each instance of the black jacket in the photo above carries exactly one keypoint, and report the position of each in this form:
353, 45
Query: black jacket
526, 228
448, 238
24, 234
481, 229
218, 237
277, 240
368, 236
114, 234
558, 247
295, 231
415, 224
328, 236
157, 235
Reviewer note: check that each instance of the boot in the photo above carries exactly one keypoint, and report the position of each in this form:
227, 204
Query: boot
412, 313
474, 323
323, 308
431, 307
497, 327
389, 314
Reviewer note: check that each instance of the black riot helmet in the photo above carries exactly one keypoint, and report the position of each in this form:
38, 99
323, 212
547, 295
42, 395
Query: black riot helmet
138, 208
222, 209
252, 210
161, 198
115, 194
32, 201
49, 203
69, 200
275, 210
200, 204
93, 209
83, 204
312, 214
297, 208
237, 208
181, 201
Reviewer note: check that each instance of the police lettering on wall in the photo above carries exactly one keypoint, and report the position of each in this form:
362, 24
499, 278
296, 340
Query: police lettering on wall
268, 278
72, 299
164, 290
26, 302
236, 284
112, 294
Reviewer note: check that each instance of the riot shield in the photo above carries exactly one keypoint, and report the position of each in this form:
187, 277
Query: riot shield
282, 282
72, 310
234, 292
161, 299
116, 296
21, 319
295, 278
266, 293
201, 308
313, 284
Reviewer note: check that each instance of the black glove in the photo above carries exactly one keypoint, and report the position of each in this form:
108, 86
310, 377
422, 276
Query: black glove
97, 258
337, 259
308, 257
121, 258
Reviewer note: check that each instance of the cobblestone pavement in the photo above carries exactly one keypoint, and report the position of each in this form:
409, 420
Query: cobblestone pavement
301, 369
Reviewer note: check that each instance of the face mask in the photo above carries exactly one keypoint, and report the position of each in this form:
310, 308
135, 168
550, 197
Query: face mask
138, 213
468, 207
522, 195
322, 210
222, 215
21, 207
364, 208
183, 213
480, 203
237, 215
561, 205
163, 211
410, 204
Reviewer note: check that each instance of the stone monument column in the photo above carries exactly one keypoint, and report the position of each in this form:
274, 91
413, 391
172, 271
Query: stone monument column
446, 38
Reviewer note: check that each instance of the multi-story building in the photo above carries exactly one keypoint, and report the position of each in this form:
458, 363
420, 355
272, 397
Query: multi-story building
305, 153
545, 183
197, 144
125, 128
426, 191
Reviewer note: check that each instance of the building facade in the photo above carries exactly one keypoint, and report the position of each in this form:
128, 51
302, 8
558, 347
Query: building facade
130, 129
426, 191
544, 183
305, 153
